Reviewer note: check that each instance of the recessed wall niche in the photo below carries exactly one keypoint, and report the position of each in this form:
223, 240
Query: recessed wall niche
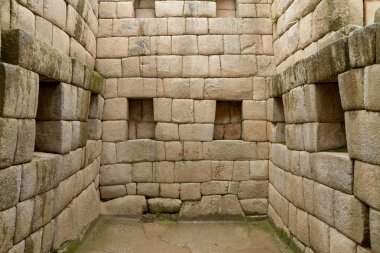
141, 124
144, 9
228, 120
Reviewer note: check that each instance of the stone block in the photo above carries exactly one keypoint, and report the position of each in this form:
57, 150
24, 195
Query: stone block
164, 172
63, 194
324, 136
142, 172
164, 205
340, 243
177, 88
184, 45
371, 80
34, 242
254, 110
276, 132
221, 170
302, 229
23, 219
8, 139
115, 109
324, 203
190, 191
108, 154
115, 174
112, 191
109, 67
333, 169
169, 66
361, 128
169, 191
115, 47
148, 189
192, 151
351, 217
253, 189
238, 66
214, 188
374, 224
115, 131
204, 111
319, 235
43, 209
210, 44
196, 26
195, 66
167, 131
174, 151
53, 136
17, 46
228, 88
332, 15
131, 188
192, 171
7, 224
139, 151
241, 171
138, 46
294, 136
361, 45
47, 237
183, 110
131, 67
254, 130
254, 206
351, 88
26, 131
19, 92
366, 185
131, 206
229, 150
196, 132
125, 10
275, 110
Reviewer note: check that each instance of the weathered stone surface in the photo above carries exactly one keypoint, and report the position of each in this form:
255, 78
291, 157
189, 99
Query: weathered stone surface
10, 181
43, 209
361, 129
115, 174
374, 223
190, 191
371, 92
351, 217
192, 171
324, 136
7, 225
162, 205
362, 47
63, 195
333, 169
340, 243
148, 189
254, 206
8, 139
20, 48
112, 191
213, 207
139, 151
214, 188
324, 203
366, 183
229, 150
319, 235
351, 89
228, 89
196, 132
54, 136
253, 189
24, 217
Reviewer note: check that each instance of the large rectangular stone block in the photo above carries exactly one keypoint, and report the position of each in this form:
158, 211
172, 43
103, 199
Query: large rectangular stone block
324, 136
362, 47
319, 235
238, 65
229, 150
139, 151
362, 142
183, 110
228, 88
374, 223
8, 141
169, 9
115, 174
18, 92
167, 131
192, 171
351, 217
333, 169
324, 203
367, 183
196, 132
115, 47
253, 189
53, 136
22, 49
7, 225
371, 90
351, 88
195, 66
254, 130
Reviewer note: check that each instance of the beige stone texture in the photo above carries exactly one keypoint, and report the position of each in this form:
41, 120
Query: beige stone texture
132, 206
142, 172
185, 45
183, 110
229, 150
361, 141
197, 26
254, 130
221, 170
169, 9
241, 171
228, 88
192, 171
115, 174
192, 151
324, 136
169, 190
374, 223
334, 170
254, 110
366, 183
112, 191
174, 151
324, 203
253, 189
190, 191
319, 235
371, 93
214, 188
169, 66
204, 111
148, 189
351, 88
115, 131
196, 132
164, 172
340, 243
351, 216
167, 131
195, 66
254, 206
210, 44
115, 47
238, 66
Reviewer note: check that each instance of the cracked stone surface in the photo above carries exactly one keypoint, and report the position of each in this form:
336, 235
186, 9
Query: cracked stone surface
118, 234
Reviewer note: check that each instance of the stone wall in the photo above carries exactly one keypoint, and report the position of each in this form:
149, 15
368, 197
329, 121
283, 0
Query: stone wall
202, 81
50, 123
324, 186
